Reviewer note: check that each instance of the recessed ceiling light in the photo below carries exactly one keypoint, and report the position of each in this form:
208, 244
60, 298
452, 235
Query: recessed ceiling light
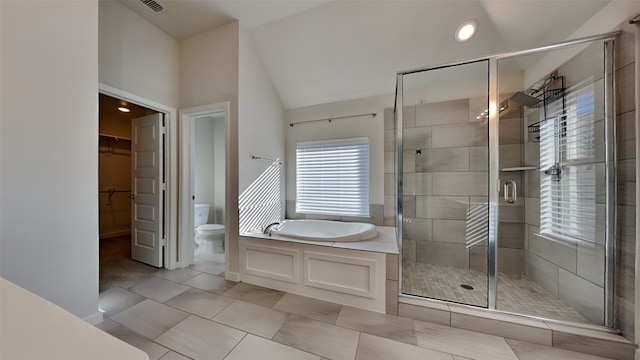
124, 109
466, 30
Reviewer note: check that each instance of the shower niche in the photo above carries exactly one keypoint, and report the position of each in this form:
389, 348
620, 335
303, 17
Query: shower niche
504, 169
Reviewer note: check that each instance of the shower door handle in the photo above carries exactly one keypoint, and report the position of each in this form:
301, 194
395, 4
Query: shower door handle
510, 196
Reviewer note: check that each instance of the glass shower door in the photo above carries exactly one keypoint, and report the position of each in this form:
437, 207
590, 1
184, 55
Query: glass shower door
444, 182
553, 161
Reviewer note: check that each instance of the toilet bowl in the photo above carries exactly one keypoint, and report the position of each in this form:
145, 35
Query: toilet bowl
211, 233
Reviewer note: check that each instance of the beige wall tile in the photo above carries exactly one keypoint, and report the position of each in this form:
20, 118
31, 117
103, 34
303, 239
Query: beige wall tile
419, 183
445, 159
510, 155
392, 267
582, 295
389, 162
510, 130
591, 260
447, 112
408, 116
391, 297
442, 207
542, 272
626, 132
532, 211
418, 229
478, 158
457, 135
389, 140
416, 138
625, 89
511, 235
409, 250
408, 161
442, 253
457, 183
449, 231
563, 255
511, 261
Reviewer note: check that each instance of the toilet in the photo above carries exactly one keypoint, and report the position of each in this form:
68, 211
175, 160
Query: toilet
207, 232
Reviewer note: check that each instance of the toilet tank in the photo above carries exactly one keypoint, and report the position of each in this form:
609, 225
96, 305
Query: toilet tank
200, 214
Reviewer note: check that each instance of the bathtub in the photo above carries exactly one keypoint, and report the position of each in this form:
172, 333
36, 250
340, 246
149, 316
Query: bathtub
324, 230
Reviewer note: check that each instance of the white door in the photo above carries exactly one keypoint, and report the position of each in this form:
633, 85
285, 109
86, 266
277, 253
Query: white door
147, 188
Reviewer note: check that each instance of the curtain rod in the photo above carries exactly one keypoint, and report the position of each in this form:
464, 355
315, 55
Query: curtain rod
635, 19
333, 118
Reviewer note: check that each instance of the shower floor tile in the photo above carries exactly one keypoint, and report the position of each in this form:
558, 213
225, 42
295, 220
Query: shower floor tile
516, 293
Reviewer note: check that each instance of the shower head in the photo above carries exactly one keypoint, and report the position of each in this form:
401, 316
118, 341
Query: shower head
524, 99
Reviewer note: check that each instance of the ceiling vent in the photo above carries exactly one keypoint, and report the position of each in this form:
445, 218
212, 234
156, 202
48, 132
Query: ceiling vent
153, 5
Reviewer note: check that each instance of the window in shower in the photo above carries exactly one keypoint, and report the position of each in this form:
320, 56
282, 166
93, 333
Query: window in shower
332, 177
568, 163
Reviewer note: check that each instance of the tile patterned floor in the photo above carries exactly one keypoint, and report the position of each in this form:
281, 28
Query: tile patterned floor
251, 322
515, 293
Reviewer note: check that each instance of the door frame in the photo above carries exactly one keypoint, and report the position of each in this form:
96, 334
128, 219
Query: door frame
171, 260
186, 192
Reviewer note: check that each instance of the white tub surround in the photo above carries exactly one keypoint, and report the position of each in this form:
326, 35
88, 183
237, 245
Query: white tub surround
350, 273
325, 230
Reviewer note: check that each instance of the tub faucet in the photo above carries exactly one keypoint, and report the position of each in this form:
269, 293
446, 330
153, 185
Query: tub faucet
267, 230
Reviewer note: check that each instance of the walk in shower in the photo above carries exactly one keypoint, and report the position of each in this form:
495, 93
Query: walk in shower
506, 180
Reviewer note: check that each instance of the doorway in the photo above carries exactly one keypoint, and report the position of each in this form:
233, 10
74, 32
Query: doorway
204, 169
209, 187
120, 181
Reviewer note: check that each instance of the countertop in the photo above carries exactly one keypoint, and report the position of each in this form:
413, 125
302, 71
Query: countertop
34, 328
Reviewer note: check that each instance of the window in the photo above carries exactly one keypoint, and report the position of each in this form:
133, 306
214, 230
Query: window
332, 177
568, 164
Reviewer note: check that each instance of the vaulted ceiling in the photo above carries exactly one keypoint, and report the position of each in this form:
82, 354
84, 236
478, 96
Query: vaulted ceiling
324, 51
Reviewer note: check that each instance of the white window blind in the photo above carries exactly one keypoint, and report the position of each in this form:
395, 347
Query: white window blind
567, 146
332, 177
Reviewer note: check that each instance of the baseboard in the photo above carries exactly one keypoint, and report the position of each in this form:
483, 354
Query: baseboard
94, 319
232, 276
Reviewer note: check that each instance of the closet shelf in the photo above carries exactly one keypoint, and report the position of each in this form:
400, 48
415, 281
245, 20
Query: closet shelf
115, 137
521, 168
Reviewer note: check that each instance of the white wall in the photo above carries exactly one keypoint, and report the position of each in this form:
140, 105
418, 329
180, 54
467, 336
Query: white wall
137, 57
371, 127
49, 162
261, 127
261, 133
204, 181
219, 158
605, 20
209, 75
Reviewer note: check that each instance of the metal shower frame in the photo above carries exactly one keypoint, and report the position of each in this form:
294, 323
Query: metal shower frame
608, 40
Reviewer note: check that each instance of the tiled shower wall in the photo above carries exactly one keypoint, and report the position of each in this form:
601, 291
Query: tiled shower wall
445, 172
626, 142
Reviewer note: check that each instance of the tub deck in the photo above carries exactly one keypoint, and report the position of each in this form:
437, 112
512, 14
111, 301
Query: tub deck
384, 242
